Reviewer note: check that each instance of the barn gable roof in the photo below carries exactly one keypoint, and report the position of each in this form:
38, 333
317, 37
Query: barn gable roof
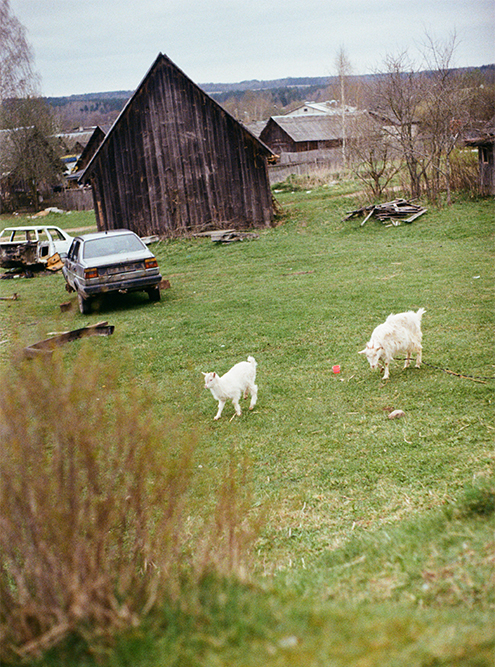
315, 127
175, 161
162, 59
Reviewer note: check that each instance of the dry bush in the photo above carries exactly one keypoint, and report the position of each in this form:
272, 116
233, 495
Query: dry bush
316, 178
93, 497
465, 175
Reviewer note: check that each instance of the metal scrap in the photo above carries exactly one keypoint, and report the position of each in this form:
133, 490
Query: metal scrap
392, 212
54, 263
50, 344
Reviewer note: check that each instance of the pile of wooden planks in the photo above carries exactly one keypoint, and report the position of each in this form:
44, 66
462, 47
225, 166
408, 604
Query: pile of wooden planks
390, 213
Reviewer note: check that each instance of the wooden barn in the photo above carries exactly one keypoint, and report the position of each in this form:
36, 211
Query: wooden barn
176, 162
294, 134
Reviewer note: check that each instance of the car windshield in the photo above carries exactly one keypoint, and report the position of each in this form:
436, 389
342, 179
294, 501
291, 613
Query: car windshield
112, 245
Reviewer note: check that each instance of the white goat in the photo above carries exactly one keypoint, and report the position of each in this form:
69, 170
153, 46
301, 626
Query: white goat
239, 380
399, 333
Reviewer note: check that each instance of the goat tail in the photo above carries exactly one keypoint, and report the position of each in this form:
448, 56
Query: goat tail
421, 312
252, 360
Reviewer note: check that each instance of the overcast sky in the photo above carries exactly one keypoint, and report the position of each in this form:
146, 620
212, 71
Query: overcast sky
107, 45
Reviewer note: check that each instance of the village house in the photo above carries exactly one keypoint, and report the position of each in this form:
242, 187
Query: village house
175, 162
311, 108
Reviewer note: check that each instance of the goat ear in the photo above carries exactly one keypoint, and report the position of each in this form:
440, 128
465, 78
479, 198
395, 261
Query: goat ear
362, 351
205, 374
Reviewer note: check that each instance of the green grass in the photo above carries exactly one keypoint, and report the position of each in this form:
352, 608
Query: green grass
372, 553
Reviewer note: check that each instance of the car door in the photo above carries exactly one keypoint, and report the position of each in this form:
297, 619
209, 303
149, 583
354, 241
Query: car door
59, 242
69, 268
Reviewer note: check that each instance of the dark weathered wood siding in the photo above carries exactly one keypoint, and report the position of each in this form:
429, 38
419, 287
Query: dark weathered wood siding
176, 162
486, 159
486, 155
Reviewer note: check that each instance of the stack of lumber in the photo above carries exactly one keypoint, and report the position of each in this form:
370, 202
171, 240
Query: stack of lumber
391, 212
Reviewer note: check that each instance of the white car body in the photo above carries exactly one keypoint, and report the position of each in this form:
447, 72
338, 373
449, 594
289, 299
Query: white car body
31, 245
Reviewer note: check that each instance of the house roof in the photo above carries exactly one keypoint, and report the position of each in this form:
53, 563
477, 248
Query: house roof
481, 138
318, 127
330, 107
70, 141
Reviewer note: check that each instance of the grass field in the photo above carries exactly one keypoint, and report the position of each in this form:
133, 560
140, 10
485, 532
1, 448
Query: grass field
378, 547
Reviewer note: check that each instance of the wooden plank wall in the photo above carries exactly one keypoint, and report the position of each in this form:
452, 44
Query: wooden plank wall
176, 162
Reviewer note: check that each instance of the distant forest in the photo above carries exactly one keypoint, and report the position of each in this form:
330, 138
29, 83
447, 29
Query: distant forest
248, 101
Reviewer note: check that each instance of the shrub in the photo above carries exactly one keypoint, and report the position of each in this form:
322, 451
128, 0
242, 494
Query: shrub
93, 496
316, 178
464, 175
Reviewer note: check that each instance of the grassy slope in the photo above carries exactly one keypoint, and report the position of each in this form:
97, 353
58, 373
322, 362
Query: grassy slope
366, 565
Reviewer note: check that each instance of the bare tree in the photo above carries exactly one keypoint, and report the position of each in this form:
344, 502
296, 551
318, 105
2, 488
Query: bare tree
17, 78
398, 97
344, 69
375, 160
444, 114
428, 111
29, 154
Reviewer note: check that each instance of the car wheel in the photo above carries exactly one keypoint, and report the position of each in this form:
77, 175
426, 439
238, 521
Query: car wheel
84, 304
154, 293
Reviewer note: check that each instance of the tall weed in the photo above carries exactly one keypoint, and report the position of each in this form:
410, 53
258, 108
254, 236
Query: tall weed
94, 499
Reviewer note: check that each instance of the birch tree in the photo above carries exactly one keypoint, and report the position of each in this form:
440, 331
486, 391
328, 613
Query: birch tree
343, 67
17, 77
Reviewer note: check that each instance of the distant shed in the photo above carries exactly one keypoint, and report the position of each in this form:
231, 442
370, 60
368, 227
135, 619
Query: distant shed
485, 143
175, 162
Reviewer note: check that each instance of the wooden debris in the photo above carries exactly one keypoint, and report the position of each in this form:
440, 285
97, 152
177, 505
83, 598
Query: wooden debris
47, 346
393, 212
148, 240
228, 235
14, 297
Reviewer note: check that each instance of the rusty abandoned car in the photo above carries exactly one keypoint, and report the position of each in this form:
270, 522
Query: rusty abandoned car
32, 245
111, 261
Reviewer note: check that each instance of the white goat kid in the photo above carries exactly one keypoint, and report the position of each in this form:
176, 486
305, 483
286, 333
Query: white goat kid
239, 380
398, 334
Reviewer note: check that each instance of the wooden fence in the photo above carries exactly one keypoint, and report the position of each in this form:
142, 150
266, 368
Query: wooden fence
73, 200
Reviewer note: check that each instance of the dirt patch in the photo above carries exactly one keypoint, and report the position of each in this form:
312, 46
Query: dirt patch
82, 229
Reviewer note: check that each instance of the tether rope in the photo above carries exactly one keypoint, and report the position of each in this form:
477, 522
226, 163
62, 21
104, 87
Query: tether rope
476, 378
